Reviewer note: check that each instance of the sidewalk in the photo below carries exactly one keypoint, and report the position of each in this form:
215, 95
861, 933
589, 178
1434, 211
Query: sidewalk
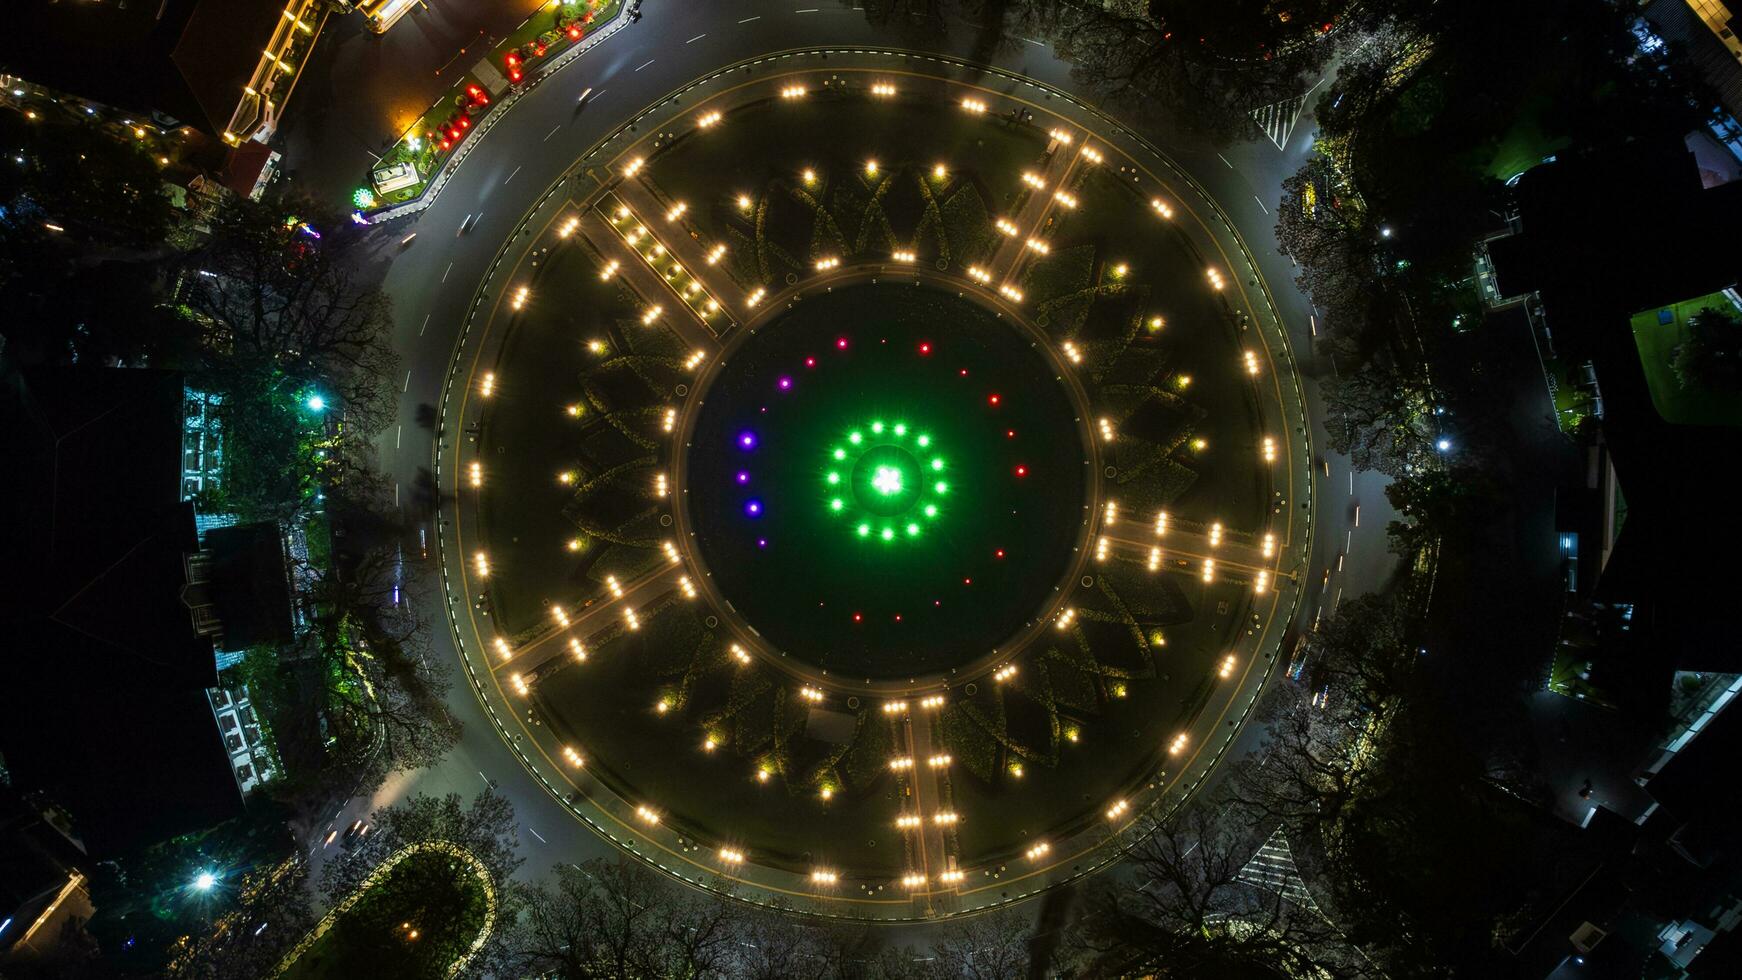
362, 90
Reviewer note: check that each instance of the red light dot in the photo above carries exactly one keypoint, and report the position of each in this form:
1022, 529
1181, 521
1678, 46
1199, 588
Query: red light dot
1009, 433
1021, 471
993, 399
898, 617
925, 349
964, 372
840, 343
999, 553
858, 618
810, 362
937, 602
967, 581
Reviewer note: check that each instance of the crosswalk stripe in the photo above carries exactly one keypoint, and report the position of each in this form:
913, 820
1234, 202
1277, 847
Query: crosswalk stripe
1273, 868
1277, 119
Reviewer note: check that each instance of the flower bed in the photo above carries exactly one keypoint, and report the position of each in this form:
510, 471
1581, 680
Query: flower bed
529, 49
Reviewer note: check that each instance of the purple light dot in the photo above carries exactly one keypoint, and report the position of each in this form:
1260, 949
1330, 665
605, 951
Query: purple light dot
785, 383
761, 542
743, 477
747, 440
753, 508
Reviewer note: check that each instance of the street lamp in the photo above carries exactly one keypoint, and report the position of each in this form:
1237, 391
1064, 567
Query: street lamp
316, 403
1444, 445
204, 881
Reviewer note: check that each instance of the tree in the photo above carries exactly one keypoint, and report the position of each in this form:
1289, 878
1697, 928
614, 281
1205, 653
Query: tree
385, 698
484, 829
272, 913
1194, 916
152, 904
1359, 673
617, 918
83, 219
99, 192
1250, 30
298, 346
1378, 416
1711, 356
1434, 502
1131, 58
1321, 226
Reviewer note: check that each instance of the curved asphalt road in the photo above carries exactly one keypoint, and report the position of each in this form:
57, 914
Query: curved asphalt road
434, 280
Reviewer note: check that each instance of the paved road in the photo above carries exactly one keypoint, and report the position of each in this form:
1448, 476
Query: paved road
433, 283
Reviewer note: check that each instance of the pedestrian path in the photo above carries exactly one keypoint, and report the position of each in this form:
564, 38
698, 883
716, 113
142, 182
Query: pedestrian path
1277, 120
1273, 870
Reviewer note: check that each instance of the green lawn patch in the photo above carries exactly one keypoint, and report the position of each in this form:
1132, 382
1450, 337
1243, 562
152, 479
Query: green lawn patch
418, 919
566, 537
1657, 332
1525, 145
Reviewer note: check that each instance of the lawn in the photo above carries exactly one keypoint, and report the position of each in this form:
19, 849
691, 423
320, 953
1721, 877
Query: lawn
665, 715
413, 922
553, 541
843, 210
1657, 332
608, 708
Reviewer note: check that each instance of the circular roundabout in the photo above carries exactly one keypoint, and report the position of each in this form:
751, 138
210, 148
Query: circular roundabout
879, 496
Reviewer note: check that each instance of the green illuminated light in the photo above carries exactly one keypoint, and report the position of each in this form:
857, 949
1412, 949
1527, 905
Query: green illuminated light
887, 481
877, 481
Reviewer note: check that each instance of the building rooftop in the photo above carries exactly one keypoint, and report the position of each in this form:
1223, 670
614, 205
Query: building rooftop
104, 708
187, 59
1604, 237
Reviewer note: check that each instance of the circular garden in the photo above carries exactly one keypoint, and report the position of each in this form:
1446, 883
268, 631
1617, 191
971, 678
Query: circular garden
876, 500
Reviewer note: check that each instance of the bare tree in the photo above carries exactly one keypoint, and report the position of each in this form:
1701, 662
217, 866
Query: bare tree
1379, 416
620, 919
987, 947
1194, 917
